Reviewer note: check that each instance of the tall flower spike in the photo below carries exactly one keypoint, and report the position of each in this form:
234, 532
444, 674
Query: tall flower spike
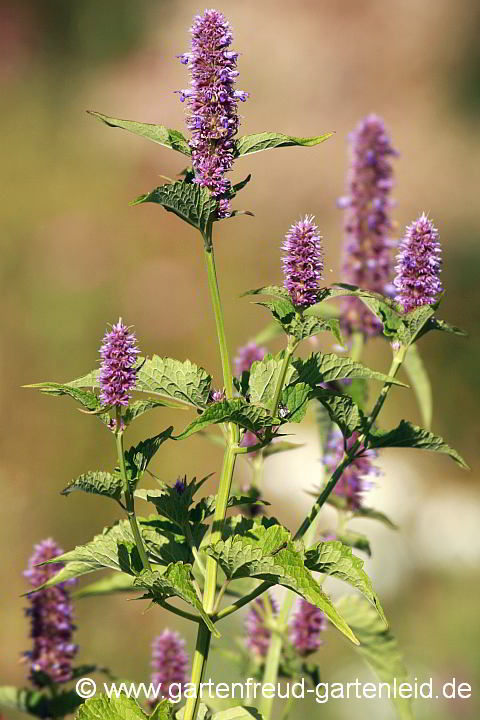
257, 635
357, 477
306, 627
246, 356
303, 262
418, 265
119, 353
50, 613
367, 249
212, 100
169, 664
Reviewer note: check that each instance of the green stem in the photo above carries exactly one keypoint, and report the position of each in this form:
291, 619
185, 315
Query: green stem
217, 309
244, 600
397, 361
129, 501
198, 670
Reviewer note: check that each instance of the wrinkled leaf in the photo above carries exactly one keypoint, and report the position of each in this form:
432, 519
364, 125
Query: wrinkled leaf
160, 134
249, 144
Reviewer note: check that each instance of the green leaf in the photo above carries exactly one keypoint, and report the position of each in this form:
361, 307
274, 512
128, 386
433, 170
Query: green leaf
377, 647
38, 703
174, 581
264, 550
263, 378
322, 368
183, 381
113, 583
333, 558
295, 398
356, 540
387, 311
238, 411
443, 326
86, 398
139, 407
202, 712
90, 380
171, 504
420, 382
189, 201
249, 144
114, 708
238, 713
97, 483
408, 435
414, 324
157, 133
137, 458
343, 411
205, 508
165, 711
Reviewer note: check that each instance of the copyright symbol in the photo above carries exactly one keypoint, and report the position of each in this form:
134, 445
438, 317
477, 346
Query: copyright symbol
86, 688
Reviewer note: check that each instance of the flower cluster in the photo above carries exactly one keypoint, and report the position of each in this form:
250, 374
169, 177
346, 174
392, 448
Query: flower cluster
119, 353
367, 249
50, 613
212, 99
306, 627
257, 634
169, 663
356, 478
303, 262
418, 265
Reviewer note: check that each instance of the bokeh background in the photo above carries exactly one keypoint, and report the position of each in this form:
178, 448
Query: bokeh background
75, 256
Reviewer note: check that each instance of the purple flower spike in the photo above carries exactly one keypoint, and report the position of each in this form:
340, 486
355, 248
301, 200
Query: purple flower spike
306, 627
212, 101
257, 635
50, 613
418, 265
169, 665
119, 353
303, 262
356, 478
367, 227
246, 356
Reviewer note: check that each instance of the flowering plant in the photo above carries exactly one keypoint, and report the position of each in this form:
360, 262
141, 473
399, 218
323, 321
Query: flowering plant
190, 548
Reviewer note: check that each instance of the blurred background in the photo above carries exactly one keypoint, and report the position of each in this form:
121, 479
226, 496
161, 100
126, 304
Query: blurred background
75, 256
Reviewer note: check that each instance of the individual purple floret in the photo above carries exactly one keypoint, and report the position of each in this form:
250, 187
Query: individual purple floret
180, 485
303, 262
368, 226
119, 353
169, 665
246, 356
418, 265
306, 627
216, 396
212, 100
257, 635
356, 478
50, 613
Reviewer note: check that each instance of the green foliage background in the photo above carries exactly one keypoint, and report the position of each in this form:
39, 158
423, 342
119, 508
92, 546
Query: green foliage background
75, 256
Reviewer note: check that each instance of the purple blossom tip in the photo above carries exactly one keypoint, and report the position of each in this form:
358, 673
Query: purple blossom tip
180, 485
217, 396
306, 627
50, 614
257, 634
119, 353
246, 356
303, 262
367, 227
169, 664
357, 477
418, 267
212, 101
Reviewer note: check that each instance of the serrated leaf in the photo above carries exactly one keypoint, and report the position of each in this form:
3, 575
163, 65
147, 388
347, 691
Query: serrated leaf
238, 713
114, 708
249, 144
420, 382
171, 504
412, 436
343, 411
90, 380
113, 583
174, 581
264, 550
189, 201
238, 411
137, 458
183, 381
97, 483
322, 368
333, 558
165, 711
377, 646
139, 407
263, 378
295, 398
160, 134
86, 398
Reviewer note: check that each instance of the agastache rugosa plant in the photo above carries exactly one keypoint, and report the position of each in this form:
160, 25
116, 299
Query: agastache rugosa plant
190, 548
